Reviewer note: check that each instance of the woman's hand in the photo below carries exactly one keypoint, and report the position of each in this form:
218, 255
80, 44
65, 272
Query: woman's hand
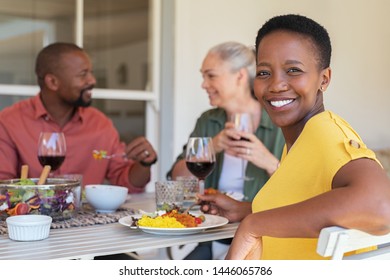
245, 245
223, 205
253, 150
225, 138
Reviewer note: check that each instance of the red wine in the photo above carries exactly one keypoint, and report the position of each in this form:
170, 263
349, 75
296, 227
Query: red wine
241, 139
244, 139
200, 169
54, 161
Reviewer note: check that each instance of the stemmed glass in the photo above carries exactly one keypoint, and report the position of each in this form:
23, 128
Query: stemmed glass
243, 122
200, 158
51, 149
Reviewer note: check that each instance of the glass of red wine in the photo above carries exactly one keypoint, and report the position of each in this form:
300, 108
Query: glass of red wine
243, 122
51, 149
200, 158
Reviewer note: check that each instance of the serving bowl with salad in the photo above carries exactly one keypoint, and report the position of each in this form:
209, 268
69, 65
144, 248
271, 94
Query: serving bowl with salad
59, 198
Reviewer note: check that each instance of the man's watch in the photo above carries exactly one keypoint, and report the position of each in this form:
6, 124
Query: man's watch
147, 164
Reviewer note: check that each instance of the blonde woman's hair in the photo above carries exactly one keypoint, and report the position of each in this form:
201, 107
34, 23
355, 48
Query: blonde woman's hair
238, 56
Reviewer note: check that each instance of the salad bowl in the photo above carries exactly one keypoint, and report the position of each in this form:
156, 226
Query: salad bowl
59, 198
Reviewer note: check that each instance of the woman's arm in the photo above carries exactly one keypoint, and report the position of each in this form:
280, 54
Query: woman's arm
360, 199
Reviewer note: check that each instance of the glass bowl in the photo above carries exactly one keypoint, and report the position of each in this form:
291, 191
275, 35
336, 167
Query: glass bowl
59, 198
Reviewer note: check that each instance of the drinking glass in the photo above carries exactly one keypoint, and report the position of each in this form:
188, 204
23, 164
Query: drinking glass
190, 189
51, 149
243, 122
169, 194
200, 158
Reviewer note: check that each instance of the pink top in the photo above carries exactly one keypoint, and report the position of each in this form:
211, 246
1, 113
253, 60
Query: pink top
88, 130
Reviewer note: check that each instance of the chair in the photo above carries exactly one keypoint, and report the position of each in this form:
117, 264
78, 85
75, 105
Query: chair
335, 241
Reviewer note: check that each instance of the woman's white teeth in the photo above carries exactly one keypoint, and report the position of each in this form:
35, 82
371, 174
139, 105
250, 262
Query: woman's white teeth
281, 103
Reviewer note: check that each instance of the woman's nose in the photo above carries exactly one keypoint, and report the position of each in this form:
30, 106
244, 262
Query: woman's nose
204, 84
278, 84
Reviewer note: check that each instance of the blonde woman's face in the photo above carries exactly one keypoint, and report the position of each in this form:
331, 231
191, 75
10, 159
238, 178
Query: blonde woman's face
219, 82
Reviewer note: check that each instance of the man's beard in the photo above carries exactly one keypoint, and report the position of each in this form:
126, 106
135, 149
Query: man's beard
80, 101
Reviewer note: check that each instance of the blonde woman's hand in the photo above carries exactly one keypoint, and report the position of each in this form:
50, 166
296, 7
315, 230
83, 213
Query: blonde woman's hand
253, 150
225, 138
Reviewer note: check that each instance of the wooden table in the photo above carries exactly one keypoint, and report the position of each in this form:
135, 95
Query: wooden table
98, 240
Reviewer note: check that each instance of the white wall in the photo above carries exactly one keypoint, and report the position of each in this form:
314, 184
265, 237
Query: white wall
360, 35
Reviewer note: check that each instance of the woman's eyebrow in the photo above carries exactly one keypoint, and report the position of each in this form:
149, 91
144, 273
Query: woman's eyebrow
288, 62
293, 61
205, 71
263, 64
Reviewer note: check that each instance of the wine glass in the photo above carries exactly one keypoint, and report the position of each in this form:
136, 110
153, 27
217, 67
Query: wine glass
200, 158
51, 149
243, 122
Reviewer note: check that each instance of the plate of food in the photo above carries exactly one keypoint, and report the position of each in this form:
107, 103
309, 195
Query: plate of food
173, 223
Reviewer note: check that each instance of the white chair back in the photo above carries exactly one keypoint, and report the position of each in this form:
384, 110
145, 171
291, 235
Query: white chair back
335, 241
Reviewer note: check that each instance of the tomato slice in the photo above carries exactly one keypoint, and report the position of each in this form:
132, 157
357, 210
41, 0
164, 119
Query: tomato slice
21, 208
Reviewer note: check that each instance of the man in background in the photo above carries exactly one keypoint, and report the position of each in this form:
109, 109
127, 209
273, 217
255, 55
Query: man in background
65, 77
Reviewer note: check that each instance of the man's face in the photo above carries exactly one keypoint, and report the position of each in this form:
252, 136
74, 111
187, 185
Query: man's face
76, 79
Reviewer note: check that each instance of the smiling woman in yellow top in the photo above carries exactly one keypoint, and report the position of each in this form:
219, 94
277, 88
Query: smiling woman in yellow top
327, 175
325, 145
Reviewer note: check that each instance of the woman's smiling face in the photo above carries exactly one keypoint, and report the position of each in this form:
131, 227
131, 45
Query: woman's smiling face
219, 81
288, 79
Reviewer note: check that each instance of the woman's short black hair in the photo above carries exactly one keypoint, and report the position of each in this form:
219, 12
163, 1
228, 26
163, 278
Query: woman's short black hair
301, 25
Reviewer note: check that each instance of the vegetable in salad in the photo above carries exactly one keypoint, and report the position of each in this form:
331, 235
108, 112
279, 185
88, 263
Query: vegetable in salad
31, 200
25, 182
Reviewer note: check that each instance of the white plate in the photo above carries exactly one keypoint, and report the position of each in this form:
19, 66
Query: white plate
211, 221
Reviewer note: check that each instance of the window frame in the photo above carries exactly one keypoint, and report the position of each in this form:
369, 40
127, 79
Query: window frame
150, 96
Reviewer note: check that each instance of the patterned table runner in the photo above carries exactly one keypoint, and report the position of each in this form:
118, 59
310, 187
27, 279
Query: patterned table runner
85, 217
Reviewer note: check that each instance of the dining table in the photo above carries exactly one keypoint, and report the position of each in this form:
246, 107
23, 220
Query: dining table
87, 242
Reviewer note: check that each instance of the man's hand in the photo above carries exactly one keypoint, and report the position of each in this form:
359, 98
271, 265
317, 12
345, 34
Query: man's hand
142, 151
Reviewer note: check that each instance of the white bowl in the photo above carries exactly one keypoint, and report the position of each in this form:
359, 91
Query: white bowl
105, 198
28, 227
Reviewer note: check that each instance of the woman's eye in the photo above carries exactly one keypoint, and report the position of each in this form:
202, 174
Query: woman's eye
262, 73
294, 70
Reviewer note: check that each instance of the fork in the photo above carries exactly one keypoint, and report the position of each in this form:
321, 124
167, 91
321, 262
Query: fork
103, 155
189, 207
197, 203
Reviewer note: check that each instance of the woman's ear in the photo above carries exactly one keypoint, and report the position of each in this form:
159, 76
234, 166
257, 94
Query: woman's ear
325, 79
242, 75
